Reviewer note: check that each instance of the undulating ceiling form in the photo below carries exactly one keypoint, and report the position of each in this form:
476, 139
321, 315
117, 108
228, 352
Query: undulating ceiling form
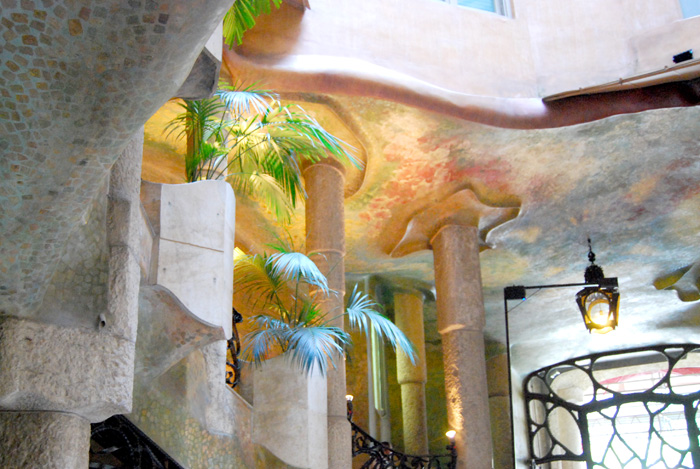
78, 80
685, 281
461, 208
359, 78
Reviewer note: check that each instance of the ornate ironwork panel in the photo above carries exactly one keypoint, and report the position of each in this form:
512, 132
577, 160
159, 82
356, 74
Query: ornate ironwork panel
233, 368
377, 455
636, 408
118, 443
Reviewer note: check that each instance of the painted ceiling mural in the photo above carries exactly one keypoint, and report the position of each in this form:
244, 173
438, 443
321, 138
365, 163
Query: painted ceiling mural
631, 183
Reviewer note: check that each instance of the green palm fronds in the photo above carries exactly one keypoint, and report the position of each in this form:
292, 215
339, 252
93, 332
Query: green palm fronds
241, 17
257, 142
286, 286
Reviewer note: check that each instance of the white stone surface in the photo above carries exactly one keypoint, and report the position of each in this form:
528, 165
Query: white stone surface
193, 249
214, 44
195, 213
290, 414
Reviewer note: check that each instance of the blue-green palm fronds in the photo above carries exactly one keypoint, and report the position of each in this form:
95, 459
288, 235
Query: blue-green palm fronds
254, 277
297, 266
362, 313
316, 347
240, 99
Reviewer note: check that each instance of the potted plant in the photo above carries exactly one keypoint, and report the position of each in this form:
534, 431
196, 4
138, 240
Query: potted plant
285, 288
256, 143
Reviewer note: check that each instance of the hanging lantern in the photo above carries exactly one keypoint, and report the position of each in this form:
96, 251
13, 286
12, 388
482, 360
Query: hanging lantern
599, 305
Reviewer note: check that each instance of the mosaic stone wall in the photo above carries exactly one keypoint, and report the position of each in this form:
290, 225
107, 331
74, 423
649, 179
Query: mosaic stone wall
79, 284
77, 80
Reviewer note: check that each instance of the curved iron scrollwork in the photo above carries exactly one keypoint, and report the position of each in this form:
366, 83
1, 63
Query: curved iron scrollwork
233, 367
118, 443
631, 408
382, 456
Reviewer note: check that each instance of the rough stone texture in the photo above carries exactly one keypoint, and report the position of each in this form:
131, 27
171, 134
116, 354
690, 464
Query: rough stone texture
167, 332
215, 420
461, 322
77, 294
163, 409
291, 420
193, 246
78, 80
49, 440
123, 238
325, 231
47, 367
415, 424
203, 79
408, 313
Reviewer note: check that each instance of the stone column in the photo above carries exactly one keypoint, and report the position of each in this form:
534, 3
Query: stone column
460, 310
73, 362
44, 439
499, 404
408, 310
325, 231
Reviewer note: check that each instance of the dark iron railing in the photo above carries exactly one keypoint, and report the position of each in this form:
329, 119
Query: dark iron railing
380, 455
233, 367
620, 415
117, 443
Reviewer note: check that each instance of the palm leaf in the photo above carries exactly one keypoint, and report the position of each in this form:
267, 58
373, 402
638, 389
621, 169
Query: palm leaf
241, 17
263, 186
241, 99
262, 341
315, 347
256, 279
298, 266
362, 314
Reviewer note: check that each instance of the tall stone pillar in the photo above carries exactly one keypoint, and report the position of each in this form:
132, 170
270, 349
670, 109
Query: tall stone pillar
408, 311
499, 403
325, 231
460, 310
72, 362
44, 439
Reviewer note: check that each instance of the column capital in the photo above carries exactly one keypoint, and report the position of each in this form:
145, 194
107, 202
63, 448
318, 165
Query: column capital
462, 208
328, 162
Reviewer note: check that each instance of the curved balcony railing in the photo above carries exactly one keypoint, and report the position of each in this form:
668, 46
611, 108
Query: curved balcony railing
380, 455
233, 367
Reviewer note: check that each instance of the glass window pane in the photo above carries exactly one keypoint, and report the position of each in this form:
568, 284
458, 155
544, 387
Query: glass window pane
487, 5
690, 8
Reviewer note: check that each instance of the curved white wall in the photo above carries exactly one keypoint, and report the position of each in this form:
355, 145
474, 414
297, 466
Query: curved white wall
549, 46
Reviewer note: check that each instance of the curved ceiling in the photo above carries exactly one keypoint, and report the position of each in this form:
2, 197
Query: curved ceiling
630, 182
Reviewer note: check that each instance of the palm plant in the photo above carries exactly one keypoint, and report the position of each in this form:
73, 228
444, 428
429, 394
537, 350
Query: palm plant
287, 286
241, 17
258, 141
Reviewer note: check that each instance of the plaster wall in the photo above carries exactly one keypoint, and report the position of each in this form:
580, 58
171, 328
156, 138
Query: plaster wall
586, 43
546, 47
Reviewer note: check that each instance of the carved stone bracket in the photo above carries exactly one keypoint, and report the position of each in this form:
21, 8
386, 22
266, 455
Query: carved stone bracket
461, 208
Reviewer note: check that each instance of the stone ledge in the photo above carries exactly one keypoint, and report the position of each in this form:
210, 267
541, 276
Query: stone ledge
52, 368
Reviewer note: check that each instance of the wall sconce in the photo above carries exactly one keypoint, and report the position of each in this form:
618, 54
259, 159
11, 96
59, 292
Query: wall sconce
348, 400
599, 303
